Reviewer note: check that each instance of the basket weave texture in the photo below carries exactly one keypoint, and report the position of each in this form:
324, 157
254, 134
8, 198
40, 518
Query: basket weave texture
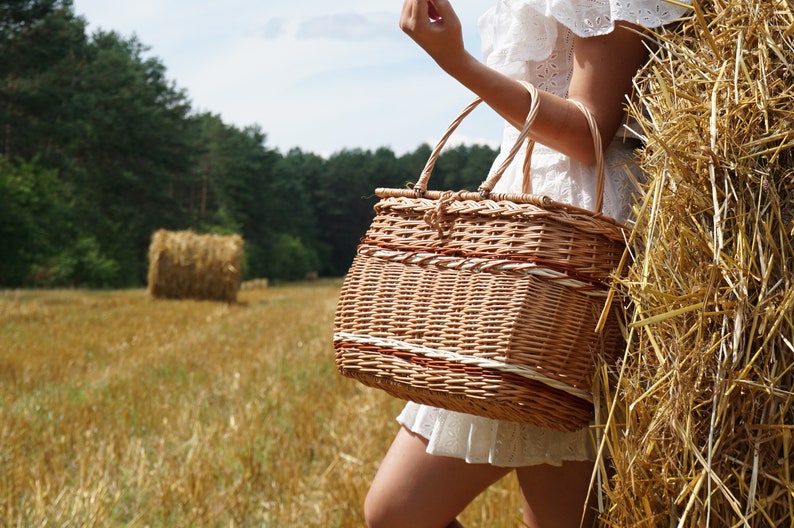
483, 304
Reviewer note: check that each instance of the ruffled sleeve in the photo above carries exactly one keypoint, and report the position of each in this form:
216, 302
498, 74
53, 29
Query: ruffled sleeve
526, 30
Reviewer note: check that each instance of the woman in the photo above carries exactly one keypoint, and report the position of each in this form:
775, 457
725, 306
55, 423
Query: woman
571, 50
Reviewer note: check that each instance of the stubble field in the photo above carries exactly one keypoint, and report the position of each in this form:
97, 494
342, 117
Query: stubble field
119, 410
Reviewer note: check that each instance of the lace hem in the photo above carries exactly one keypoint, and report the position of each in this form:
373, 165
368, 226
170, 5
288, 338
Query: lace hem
479, 440
587, 18
528, 28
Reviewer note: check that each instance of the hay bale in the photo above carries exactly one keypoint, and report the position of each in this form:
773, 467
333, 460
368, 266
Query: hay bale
701, 430
184, 265
255, 284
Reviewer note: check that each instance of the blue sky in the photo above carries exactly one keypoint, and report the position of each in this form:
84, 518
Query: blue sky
320, 75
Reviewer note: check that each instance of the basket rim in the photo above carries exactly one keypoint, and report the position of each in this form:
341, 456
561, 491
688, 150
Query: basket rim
619, 231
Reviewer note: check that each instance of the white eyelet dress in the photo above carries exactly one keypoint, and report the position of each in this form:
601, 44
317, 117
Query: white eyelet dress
532, 40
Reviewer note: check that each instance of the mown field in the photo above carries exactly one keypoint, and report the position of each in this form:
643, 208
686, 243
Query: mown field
119, 410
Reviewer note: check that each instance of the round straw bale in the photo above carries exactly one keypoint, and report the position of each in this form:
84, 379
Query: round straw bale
185, 265
701, 430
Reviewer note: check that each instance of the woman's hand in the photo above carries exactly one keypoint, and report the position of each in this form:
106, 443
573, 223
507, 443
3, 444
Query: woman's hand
434, 25
602, 74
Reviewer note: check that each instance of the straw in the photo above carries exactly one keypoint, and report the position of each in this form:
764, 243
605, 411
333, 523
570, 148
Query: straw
186, 265
701, 424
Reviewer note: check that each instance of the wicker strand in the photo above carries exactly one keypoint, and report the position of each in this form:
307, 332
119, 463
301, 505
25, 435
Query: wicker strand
488, 185
421, 185
479, 265
481, 302
436, 216
598, 150
344, 337
420, 188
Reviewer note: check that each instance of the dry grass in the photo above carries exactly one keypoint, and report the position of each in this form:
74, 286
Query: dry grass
119, 410
703, 429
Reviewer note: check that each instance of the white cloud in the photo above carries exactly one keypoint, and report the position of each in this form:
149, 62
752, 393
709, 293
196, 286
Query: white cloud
273, 28
347, 26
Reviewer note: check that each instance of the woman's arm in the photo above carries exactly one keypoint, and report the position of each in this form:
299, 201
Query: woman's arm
603, 70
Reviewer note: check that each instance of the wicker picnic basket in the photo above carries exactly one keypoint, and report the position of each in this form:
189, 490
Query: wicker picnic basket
480, 302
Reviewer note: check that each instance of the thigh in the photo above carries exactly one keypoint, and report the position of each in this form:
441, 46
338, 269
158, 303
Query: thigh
413, 488
555, 497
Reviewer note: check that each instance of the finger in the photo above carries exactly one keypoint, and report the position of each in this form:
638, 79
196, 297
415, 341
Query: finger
415, 15
443, 7
441, 15
407, 12
421, 11
432, 11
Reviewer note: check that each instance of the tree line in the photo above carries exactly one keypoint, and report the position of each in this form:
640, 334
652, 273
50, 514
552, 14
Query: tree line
98, 149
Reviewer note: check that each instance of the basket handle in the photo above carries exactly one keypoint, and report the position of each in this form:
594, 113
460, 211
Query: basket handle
598, 150
485, 188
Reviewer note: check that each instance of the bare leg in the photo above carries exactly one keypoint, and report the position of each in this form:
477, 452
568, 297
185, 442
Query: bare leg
419, 490
554, 497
